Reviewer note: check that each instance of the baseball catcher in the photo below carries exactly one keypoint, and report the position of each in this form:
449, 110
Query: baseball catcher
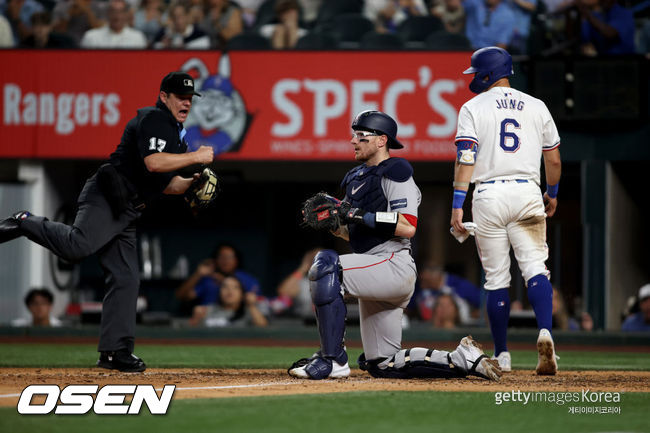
378, 217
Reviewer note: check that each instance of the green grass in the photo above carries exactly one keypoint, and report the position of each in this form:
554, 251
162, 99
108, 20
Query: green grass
168, 356
375, 412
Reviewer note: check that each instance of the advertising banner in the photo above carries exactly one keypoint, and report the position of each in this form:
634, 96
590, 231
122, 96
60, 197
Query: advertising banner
262, 105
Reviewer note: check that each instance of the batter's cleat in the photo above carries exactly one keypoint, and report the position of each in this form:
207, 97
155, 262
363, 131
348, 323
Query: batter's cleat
546, 358
10, 227
317, 367
122, 360
470, 357
505, 362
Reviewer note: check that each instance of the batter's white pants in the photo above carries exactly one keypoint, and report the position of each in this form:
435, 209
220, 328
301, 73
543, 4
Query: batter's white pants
383, 284
510, 214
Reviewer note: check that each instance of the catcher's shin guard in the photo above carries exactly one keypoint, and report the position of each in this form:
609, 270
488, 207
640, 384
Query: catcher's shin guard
417, 362
326, 293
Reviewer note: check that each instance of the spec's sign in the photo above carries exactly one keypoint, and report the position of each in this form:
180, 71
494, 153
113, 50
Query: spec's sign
80, 399
254, 105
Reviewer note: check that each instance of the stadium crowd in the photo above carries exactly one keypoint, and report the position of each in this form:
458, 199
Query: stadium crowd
589, 27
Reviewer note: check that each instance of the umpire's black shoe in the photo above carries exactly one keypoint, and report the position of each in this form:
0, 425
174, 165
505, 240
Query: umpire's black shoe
10, 227
121, 360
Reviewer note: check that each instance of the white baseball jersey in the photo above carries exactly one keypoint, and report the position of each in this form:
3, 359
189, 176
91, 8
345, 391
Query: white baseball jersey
511, 129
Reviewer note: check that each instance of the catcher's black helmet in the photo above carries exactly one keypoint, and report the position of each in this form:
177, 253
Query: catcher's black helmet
376, 121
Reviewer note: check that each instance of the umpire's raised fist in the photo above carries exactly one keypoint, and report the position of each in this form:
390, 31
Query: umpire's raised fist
205, 154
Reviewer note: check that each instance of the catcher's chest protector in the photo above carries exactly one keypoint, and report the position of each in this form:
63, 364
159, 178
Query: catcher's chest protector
363, 189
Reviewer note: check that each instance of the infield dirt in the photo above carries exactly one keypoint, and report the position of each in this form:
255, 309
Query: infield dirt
215, 383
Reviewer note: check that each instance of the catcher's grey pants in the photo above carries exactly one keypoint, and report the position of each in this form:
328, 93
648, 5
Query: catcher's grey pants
384, 284
95, 230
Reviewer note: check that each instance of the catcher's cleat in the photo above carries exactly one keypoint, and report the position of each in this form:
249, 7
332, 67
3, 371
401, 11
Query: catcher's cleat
10, 227
121, 360
546, 358
474, 361
318, 368
504, 360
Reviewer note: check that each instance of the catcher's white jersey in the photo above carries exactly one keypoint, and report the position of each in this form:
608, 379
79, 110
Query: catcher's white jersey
511, 129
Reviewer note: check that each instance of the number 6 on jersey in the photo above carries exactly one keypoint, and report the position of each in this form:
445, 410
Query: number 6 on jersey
509, 141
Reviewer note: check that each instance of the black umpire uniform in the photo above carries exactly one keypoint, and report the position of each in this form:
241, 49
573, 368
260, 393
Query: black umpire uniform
109, 205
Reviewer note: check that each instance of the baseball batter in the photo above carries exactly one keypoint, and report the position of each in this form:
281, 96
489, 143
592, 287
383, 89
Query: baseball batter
502, 135
143, 166
378, 217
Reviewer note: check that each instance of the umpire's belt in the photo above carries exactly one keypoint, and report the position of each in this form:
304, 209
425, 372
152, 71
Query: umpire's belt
505, 180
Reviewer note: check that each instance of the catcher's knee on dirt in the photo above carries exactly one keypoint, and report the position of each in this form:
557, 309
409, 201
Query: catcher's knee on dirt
325, 286
412, 364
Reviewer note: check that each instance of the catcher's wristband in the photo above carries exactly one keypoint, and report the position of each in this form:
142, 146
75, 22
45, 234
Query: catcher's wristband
551, 190
459, 198
383, 222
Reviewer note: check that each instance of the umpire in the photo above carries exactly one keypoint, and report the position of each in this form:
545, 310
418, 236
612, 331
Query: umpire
143, 166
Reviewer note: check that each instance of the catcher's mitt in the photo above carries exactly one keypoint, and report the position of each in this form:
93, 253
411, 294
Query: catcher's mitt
203, 191
321, 212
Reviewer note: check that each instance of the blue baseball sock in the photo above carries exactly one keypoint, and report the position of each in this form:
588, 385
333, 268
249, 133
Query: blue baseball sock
540, 296
498, 310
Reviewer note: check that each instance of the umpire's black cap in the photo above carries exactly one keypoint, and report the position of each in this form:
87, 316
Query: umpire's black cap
180, 83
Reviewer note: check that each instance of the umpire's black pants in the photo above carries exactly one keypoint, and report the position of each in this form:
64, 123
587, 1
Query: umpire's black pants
96, 230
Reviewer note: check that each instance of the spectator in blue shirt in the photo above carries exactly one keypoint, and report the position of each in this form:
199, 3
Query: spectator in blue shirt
434, 282
19, 14
523, 11
202, 287
608, 30
489, 23
640, 321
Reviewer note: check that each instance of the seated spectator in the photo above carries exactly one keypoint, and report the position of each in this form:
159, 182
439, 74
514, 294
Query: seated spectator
223, 20
19, 14
75, 17
451, 13
150, 18
43, 36
296, 287
445, 312
115, 34
180, 32
388, 14
203, 286
39, 303
523, 11
234, 308
6, 35
489, 23
640, 321
562, 319
285, 33
606, 30
433, 282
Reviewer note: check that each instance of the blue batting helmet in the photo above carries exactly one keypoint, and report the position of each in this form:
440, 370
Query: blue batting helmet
488, 66
376, 121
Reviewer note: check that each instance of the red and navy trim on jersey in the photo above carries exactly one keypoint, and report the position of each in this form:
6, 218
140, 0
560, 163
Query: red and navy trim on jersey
555, 146
466, 138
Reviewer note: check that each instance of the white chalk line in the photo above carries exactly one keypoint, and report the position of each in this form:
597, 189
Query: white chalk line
252, 385
191, 388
